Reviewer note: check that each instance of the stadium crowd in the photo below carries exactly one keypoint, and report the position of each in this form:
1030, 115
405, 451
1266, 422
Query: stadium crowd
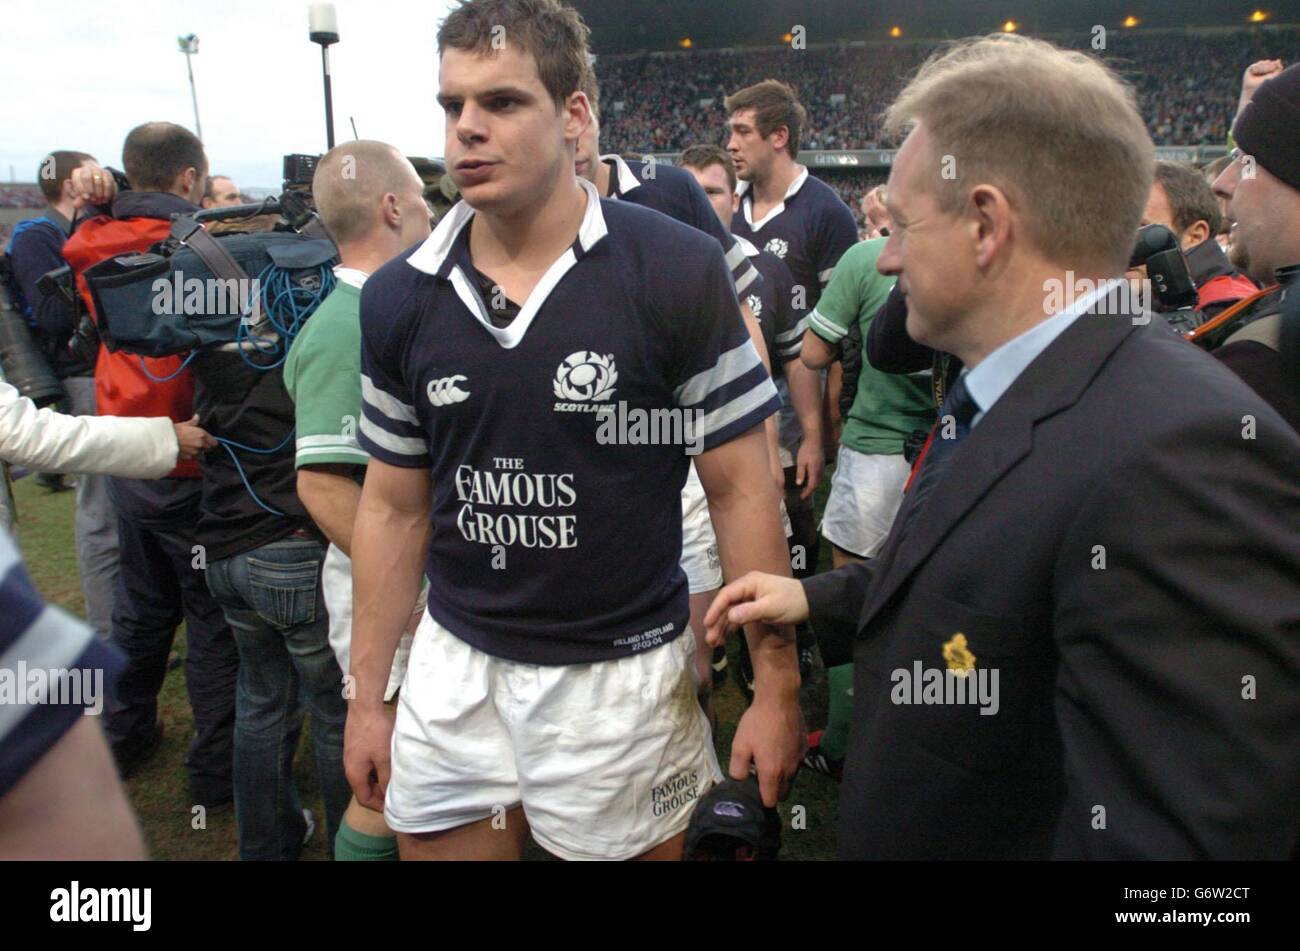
406, 494
1187, 86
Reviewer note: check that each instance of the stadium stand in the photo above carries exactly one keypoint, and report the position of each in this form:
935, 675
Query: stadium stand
1187, 85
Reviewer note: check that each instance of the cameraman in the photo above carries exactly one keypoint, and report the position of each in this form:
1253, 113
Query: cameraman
36, 249
160, 578
1183, 202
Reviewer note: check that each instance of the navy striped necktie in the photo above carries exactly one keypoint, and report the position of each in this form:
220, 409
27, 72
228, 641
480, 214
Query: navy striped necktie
953, 426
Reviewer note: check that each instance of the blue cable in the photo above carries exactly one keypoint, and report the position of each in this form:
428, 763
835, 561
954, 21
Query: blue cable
226, 445
286, 306
179, 370
281, 299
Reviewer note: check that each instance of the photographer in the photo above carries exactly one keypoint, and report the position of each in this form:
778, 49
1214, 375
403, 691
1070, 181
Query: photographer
35, 250
1183, 202
160, 578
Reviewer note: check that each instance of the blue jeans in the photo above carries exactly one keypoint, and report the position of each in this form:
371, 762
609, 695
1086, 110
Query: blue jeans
272, 600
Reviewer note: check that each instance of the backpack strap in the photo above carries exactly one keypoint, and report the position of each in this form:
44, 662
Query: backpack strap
194, 236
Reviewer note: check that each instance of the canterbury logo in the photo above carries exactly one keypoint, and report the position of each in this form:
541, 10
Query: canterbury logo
585, 375
444, 392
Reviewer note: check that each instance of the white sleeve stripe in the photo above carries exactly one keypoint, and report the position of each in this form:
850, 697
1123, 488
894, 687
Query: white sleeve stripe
53, 641
735, 255
400, 445
8, 558
738, 408
390, 406
346, 442
745, 280
825, 328
353, 452
730, 366
795, 332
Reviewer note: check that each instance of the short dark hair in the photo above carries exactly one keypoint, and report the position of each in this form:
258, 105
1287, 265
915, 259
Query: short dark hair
56, 168
775, 104
1189, 196
211, 184
156, 152
704, 156
552, 33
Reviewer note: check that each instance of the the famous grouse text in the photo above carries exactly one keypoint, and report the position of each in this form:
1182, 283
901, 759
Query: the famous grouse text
492, 498
677, 792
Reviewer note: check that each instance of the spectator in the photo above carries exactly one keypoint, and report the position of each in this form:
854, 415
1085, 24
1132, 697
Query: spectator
221, 192
37, 249
1262, 186
875, 214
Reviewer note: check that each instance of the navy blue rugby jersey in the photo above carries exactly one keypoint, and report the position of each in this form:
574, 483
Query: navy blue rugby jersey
809, 230
52, 668
556, 502
675, 192
775, 306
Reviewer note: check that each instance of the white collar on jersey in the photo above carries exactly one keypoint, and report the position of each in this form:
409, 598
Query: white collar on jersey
742, 187
627, 179
430, 256
350, 275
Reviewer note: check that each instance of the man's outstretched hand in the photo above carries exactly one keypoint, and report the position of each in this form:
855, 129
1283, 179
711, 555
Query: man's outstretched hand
754, 597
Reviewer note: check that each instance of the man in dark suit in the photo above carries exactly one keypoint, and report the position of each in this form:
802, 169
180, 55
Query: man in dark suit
1082, 638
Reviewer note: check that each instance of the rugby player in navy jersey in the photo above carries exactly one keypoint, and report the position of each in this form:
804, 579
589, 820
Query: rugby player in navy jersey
784, 209
550, 687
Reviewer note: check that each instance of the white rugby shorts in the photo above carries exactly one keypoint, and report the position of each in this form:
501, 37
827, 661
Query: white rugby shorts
866, 492
607, 759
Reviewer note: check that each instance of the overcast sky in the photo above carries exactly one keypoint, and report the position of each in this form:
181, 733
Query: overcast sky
79, 75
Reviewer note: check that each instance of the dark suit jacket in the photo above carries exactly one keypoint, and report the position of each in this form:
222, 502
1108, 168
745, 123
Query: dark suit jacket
1120, 687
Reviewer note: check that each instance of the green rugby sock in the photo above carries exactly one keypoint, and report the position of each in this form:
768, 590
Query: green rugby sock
835, 741
353, 846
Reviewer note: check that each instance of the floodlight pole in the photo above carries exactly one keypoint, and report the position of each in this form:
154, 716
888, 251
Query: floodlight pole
323, 28
189, 46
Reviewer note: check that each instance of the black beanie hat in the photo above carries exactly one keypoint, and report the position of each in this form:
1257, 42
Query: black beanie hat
1269, 127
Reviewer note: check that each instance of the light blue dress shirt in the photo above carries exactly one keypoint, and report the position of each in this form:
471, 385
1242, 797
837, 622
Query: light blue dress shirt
995, 373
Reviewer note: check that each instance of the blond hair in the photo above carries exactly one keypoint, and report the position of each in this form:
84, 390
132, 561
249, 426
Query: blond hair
350, 181
1055, 130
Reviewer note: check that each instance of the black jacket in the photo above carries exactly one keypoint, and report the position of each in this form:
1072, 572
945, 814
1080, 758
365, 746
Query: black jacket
33, 254
1129, 564
250, 407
